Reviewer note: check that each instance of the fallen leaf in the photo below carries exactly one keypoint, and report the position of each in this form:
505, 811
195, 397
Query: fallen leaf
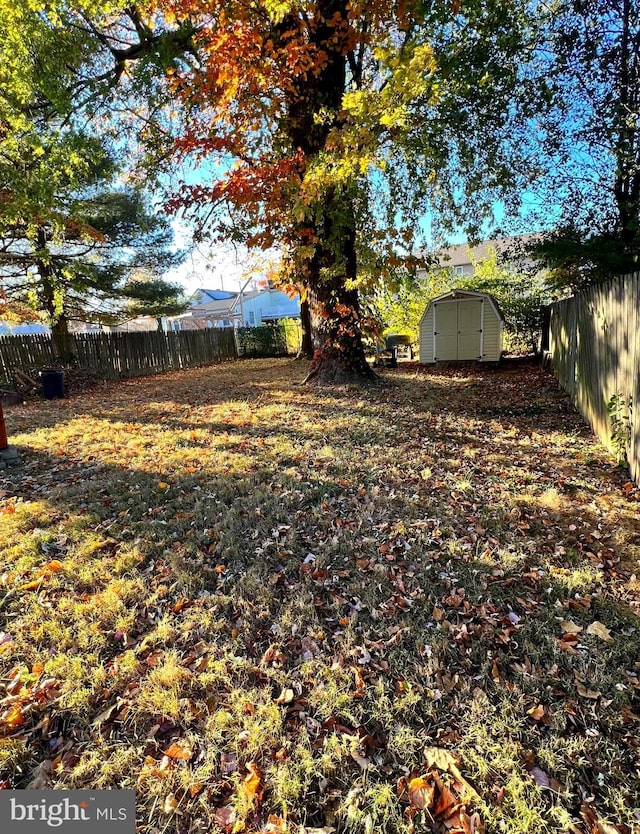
600, 630
41, 776
539, 777
54, 566
252, 782
225, 818
285, 697
106, 715
170, 804
594, 694
569, 627
228, 763
421, 793
179, 750
495, 672
13, 717
446, 802
31, 586
440, 758
538, 713
595, 825
357, 756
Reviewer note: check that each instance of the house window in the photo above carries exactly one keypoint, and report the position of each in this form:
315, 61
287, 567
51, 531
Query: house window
458, 270
252, 318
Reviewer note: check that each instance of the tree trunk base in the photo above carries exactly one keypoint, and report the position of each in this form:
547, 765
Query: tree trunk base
329, 370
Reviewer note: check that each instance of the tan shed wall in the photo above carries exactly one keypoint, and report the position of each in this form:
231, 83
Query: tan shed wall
492, 334
426, 336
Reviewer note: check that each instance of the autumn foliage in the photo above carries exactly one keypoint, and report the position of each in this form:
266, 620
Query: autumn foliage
312, 121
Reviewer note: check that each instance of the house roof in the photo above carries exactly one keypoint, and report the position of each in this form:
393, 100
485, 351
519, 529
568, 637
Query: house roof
223, 308
202, 296
464, 254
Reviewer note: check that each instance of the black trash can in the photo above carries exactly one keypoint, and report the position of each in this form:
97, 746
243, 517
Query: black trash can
52, 383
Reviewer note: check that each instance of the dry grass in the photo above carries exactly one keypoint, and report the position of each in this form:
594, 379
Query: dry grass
258, 604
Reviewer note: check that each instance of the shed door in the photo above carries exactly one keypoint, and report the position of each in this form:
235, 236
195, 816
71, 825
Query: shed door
458, 330
469, 329
446, 330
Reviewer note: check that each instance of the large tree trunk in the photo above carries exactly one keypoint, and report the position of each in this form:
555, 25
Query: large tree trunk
306, 348
63, 341
336, 324
64, 345
314, 103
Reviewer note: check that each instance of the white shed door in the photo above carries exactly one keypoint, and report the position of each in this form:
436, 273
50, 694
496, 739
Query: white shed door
458, 330
469, 329
446, 330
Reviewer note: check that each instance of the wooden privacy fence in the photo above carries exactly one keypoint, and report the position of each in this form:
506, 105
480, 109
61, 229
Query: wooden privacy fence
595, 353
117, 355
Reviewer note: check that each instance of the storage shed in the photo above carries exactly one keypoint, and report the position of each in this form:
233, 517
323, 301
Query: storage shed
461, 326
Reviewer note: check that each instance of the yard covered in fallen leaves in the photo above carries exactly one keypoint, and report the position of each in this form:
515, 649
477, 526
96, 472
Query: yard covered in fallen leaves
267, 607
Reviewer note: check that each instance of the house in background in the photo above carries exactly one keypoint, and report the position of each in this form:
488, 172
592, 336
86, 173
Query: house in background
218, 308
268, 306
28, 329
205, 296
462, 257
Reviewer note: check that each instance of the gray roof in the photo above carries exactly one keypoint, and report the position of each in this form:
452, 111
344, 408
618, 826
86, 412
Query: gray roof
463, 253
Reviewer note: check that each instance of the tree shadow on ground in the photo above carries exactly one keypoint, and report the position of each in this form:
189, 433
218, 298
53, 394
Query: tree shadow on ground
409, 588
